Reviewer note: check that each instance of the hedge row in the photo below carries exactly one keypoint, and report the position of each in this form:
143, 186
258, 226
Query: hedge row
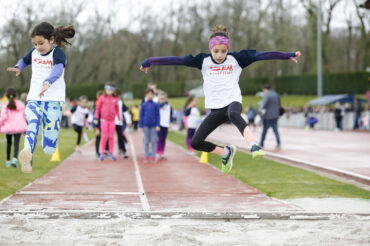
173, 89
352, 83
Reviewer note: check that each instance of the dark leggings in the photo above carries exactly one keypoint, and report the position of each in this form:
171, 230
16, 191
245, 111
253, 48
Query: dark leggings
17, 136
216, 118
121, 139
78, 129
97, 143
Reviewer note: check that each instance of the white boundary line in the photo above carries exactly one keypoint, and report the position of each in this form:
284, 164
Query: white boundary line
143, 198
77, 193
308, 163
349, 173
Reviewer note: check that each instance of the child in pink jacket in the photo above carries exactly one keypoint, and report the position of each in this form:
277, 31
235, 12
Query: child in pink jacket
107, 109
12, 123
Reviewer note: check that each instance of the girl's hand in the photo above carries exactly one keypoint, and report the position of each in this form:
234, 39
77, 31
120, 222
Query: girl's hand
297, 54
45, 87
16, 70
144, 69
157, 128
96, 122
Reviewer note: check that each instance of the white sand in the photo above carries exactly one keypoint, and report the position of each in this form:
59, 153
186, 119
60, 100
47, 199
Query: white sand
19, 230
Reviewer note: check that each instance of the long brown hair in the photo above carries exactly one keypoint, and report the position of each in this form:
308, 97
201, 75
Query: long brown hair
190, 99
60, 33
11, 94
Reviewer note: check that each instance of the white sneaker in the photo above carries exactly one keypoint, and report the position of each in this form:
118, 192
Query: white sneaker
25, 158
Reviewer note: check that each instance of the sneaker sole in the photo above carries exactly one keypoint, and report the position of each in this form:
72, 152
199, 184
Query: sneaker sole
25, 158
233, 150
232, 157
259, 155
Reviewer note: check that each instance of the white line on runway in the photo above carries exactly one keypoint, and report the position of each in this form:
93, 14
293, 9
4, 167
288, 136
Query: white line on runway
143, 198
77, 193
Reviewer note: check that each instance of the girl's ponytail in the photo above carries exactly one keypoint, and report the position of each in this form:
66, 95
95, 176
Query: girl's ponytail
11, 94
62, 33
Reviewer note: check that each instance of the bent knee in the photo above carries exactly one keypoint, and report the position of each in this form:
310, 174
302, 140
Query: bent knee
49, 150
195, 144
233, 116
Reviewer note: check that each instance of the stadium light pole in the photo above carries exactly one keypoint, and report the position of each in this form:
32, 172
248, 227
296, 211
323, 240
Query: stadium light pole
319, 51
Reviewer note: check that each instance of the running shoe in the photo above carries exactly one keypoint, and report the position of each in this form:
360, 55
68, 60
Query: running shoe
125, 155
15, 162
257, 152
112, 157
25, 158
101, 158
227, 162
8, 163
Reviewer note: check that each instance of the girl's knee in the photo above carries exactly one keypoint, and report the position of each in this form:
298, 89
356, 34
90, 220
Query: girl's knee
195, 144
49, 150
234, 116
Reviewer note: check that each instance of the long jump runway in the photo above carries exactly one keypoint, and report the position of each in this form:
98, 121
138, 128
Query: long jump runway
129, 186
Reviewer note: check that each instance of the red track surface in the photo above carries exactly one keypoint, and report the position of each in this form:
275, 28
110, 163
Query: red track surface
180, 183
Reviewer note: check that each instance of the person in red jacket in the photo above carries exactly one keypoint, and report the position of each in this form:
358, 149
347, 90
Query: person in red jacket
13, 124
106, 110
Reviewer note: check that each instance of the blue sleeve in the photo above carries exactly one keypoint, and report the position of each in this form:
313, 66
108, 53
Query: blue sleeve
247, 57
25, 61
59, 56
158, 116
244, 57
273, 55
28, 57
141, 118
55, 73
197, 61
21, 65
165, 60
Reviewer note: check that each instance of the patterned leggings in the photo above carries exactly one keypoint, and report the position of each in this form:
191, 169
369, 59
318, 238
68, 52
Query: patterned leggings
49, 114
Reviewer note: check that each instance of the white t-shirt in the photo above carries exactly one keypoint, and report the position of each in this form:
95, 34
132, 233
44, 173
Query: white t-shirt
165, 115
78, 117
42, 66
221, 81
124, 114
193, 118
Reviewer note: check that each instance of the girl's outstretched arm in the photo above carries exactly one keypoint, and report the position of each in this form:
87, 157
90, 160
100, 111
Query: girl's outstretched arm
276, 55
160, 61
21, 64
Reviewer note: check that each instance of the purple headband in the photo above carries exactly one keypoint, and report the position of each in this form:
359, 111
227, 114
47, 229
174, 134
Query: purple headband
219, 40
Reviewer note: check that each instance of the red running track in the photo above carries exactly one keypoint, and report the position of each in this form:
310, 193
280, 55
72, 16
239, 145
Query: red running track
179, 184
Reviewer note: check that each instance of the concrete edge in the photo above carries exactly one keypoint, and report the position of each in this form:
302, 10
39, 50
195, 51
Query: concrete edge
278, 215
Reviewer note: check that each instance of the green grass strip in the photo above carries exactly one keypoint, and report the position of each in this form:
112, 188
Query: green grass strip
12, 179
280, 180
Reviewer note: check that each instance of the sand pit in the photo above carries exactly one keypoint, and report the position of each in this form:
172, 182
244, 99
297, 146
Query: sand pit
343, 230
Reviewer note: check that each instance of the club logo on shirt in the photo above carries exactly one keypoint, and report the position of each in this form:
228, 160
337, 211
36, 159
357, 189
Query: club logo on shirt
222, 69
42, 61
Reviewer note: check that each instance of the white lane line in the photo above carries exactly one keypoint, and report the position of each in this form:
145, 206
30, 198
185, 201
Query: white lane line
143, 198
300, 161
77, 193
